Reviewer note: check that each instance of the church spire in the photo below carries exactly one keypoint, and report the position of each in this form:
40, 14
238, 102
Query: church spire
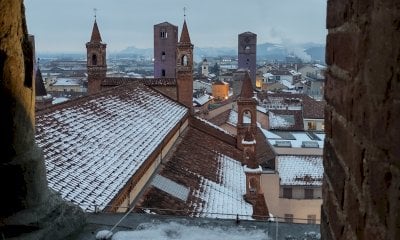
95, 33
185, 38
247, 87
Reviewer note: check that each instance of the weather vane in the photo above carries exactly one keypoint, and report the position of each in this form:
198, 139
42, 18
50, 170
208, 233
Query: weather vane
95, 13
184, 13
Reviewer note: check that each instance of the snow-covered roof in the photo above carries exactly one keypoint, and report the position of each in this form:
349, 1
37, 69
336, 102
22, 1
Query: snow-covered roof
300, 170
224, 196
202, 100
93, 145
296, 139
211, 170
280, 121
67, 82
59, 100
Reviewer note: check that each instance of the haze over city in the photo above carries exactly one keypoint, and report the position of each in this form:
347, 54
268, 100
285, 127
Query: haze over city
65, 26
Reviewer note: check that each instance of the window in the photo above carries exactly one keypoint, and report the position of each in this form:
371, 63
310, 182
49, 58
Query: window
184, 60
162, 55
289, 218
163, 33
308, 193
163, 72
312, 126
94, 59
287, 192
311, 219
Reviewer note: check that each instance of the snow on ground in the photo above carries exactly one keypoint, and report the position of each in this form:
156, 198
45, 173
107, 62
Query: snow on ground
175, 230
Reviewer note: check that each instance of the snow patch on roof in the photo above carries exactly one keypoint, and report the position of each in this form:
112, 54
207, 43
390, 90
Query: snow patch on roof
300, 170
171, 187
225, 199
280, 121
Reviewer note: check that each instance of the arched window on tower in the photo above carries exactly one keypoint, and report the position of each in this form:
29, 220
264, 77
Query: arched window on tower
94, 59
163, 72
184, 60
247, 117
162, 56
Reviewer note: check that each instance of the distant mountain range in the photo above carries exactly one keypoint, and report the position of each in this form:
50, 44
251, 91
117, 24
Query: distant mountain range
267, 51
306, 51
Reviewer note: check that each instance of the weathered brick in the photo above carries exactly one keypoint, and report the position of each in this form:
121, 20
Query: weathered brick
341, 47
338, 12
334, 172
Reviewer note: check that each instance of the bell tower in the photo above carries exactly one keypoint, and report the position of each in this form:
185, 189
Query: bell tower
96, 60
184, 68
247, 112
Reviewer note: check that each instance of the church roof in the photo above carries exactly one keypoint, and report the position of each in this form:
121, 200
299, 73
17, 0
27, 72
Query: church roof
211, 171
247, 87
95, 33
40, 90
185, 38
94, 145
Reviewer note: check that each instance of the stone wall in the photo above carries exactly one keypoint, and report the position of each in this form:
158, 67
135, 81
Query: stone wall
361, 157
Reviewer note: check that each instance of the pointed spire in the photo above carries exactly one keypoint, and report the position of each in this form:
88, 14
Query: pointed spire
185, 38
95, 33
40, 90
247, 87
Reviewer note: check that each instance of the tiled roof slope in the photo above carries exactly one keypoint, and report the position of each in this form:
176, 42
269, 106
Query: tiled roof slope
93, 145
221, 118
311, 108
116, 81
210, 169
300, 170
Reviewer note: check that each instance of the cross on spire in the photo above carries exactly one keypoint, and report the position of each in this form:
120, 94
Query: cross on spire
95, 13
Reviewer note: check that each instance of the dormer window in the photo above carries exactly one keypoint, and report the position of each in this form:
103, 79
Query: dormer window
94, 59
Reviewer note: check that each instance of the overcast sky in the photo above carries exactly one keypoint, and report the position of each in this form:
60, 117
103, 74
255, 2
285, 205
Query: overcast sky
66, 25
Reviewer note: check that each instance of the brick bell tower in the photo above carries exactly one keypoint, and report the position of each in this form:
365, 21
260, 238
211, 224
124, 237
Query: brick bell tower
184, 68
247, 107
96, 60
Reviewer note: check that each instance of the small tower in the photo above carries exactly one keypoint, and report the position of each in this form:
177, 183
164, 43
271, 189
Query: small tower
247, 51
184, 68
43, 100
247, 109
165, 40
204, 68
96, 60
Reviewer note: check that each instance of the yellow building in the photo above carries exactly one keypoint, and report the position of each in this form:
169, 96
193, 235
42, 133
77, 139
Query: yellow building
294, 191
220, 90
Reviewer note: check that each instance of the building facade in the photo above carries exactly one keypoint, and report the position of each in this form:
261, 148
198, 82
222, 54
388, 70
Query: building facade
247, 53
165, 41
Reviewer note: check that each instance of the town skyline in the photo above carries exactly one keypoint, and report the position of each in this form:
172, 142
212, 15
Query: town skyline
65, 26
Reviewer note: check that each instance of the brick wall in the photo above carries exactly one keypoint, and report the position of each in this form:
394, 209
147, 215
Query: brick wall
361, 188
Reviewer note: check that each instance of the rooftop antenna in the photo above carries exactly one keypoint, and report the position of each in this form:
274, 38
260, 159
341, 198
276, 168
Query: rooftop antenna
95, 13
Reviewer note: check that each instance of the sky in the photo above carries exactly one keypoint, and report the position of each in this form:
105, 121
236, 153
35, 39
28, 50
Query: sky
66, 25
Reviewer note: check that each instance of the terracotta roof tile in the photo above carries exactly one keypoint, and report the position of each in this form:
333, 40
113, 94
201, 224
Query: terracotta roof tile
116, 81
93, 145
211, 170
